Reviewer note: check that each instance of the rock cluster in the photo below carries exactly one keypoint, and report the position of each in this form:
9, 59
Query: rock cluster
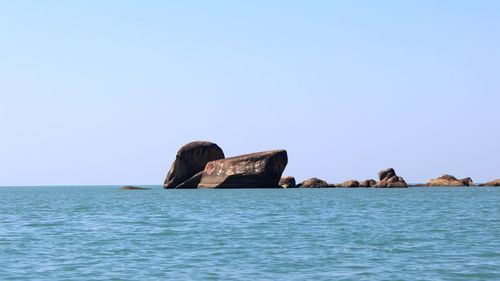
202, 164
388, 178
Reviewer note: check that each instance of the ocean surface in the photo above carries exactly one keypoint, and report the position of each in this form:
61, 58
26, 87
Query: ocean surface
102, 233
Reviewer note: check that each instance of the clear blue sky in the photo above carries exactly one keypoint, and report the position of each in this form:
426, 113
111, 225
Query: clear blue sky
105, 92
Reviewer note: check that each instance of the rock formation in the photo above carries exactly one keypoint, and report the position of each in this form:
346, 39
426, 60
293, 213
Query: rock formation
128, 187
367, 183
388, 178
349, 183
191, 159
448, 180
492, 183
287, 182
314, 183
256, 170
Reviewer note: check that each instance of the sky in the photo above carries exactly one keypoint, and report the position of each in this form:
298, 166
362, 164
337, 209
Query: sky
106, 92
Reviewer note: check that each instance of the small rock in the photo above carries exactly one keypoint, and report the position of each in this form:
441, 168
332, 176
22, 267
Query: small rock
128, 187
367, 183
287, 182
449, 180
349, 183
492, 183
314, 183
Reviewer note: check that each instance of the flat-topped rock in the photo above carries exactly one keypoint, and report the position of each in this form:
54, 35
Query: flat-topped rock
388, 178
190, 160
349, 183
314, 183
129, 187
492, 183
256, 170
287, 182
449, 180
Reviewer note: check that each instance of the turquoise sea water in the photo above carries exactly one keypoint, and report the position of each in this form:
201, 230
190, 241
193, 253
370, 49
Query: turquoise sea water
101, 233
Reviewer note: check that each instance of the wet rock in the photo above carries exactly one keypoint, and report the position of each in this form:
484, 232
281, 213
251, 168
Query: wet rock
256, 170
287, 182
190, 160
449, 180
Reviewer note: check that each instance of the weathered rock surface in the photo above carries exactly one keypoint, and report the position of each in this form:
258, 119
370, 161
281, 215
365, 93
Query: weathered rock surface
314, 183
190, 160
449, 180
349, 183
256, 170
128, 187
287, 182
367, 183
388, 178
492, 183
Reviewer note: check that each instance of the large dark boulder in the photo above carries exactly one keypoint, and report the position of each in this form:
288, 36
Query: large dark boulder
191, 159
256, 170
492, 183
287, 182
388, 178
449, 180
314, 183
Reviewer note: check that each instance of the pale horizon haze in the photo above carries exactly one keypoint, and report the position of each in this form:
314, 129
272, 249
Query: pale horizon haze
106, 92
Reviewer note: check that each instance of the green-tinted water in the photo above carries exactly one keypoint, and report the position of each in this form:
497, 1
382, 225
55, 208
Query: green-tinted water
100, 233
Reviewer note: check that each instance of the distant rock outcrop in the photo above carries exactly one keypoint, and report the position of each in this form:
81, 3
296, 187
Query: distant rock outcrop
349, 183
388, 178
449, 180
287, 182
314, 183
190, 160
256, 170
492, 183
367, 183
129, 187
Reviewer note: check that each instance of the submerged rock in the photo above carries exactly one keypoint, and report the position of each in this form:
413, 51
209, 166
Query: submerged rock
287, 182
256, 170
449, 180
314, 183
129, 187
388, 178
349, 183
492, 183
367, 183
190, 160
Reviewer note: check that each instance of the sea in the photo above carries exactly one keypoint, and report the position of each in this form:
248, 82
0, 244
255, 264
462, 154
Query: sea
103, 233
